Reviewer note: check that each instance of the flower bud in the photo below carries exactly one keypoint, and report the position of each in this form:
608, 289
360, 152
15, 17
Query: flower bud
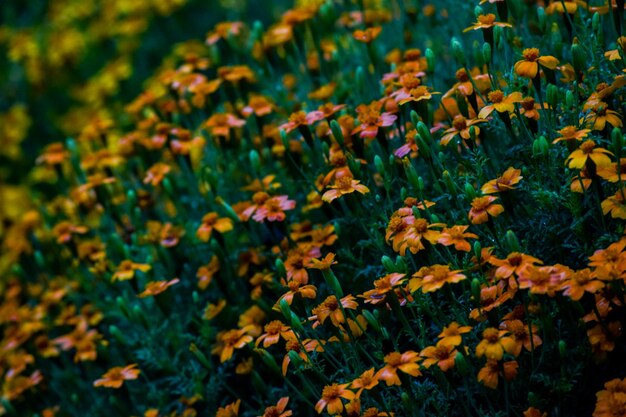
579, 57
476, 290
296, 360
457, 51
596, 25
401, 265
380, 167
121, 303
478, 11
487, 52
447, 179
410, 172
200, 356
540, 146
415, 119
117, 334
461, 364
337, 132
359, 78
296, 323
255, 161
478, 250
424, 132
618, 140
562, 349
388, 264
570, 100
541, 18
512, 242
478, 54
430, 59
552, 95
280, 268
355, 166
268, 359
470, 192
332, 282
371, 320
285, 308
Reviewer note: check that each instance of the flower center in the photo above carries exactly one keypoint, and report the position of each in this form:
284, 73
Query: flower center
420, 226
344, 183
459, 123
394, 359
273, 327
587, 146
531, 54
486, 19
496, 96
491, 335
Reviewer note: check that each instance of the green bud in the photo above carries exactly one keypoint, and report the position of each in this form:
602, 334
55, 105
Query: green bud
280, 268
117, 334
229, 210
497, 37
423, 147
552, 95
195, 297
579, 57
410, 172
434, 218
415, 119
540, 146
388, 264
200, 356
570, 100
470, 192
121, 303
424, 132
257, 30
355, 166
472, 132
332, 282
430, 59
296, 360
420, 184
296, 323
401, 265
169, 189
486, 52
532, 398
404, 193
478, 54
380, 167
562, 348
40, 261
371, 320
457, 51
337, 132
595, 22
541, 18
512, 242
359, 78
407, 401
478, 250
447, 179
617, 138
131, 198
285, 308
268, 360
478, 11
284, 139
255, 161
461, 364
476, 290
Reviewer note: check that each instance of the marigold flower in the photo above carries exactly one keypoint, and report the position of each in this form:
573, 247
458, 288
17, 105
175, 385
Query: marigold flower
115, 377
541, 280
579, 282
211, 221
460, 127
432, 278
53, 154
532, 411
323, 264
371, 119
494, 344
297, 288
344, 184
228, 341
274, 330
406, 362
588, 151
382, 286
205, 273
331, 398
126, 270
529, 66
443, 355
489, 374
569, 6
483, 208
456, 236
486, 21
611, 402
278, 410
367, 35
156, 173
521, 336
332, 307
512, 264
600, 115
451, 334
230, 410
500, 103
219, 124
366, 381
615, 205
157, 287
506, 182
571, 133
212, 310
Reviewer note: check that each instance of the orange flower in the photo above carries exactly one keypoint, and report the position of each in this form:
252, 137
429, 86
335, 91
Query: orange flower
382, 286
406, 362
295, 288
53, 154
344, 184
416, 94
323, 264
588, 151
157, 287
442, 354
529, 66
366, 381
600, 115
521, 336
494, 344
115, 377
614, 173
219, 124
296, 346
212, 310
460, 126
331, 307
211, 221
228, 341
367, 35
482, 208
451, 334
274, 330
486, 21
64, 231
616, 205
541, 280
126, 270
230, 410
512, 264
579, 282
489, 374
258, 105
331, 398
278, 410
205, 273
569, 6
457, 236
371, 119
530, 108
500, 103
156, 173
270, 208
571, 133
611, 402
506, 182
532, 411
300, 119
432, 278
